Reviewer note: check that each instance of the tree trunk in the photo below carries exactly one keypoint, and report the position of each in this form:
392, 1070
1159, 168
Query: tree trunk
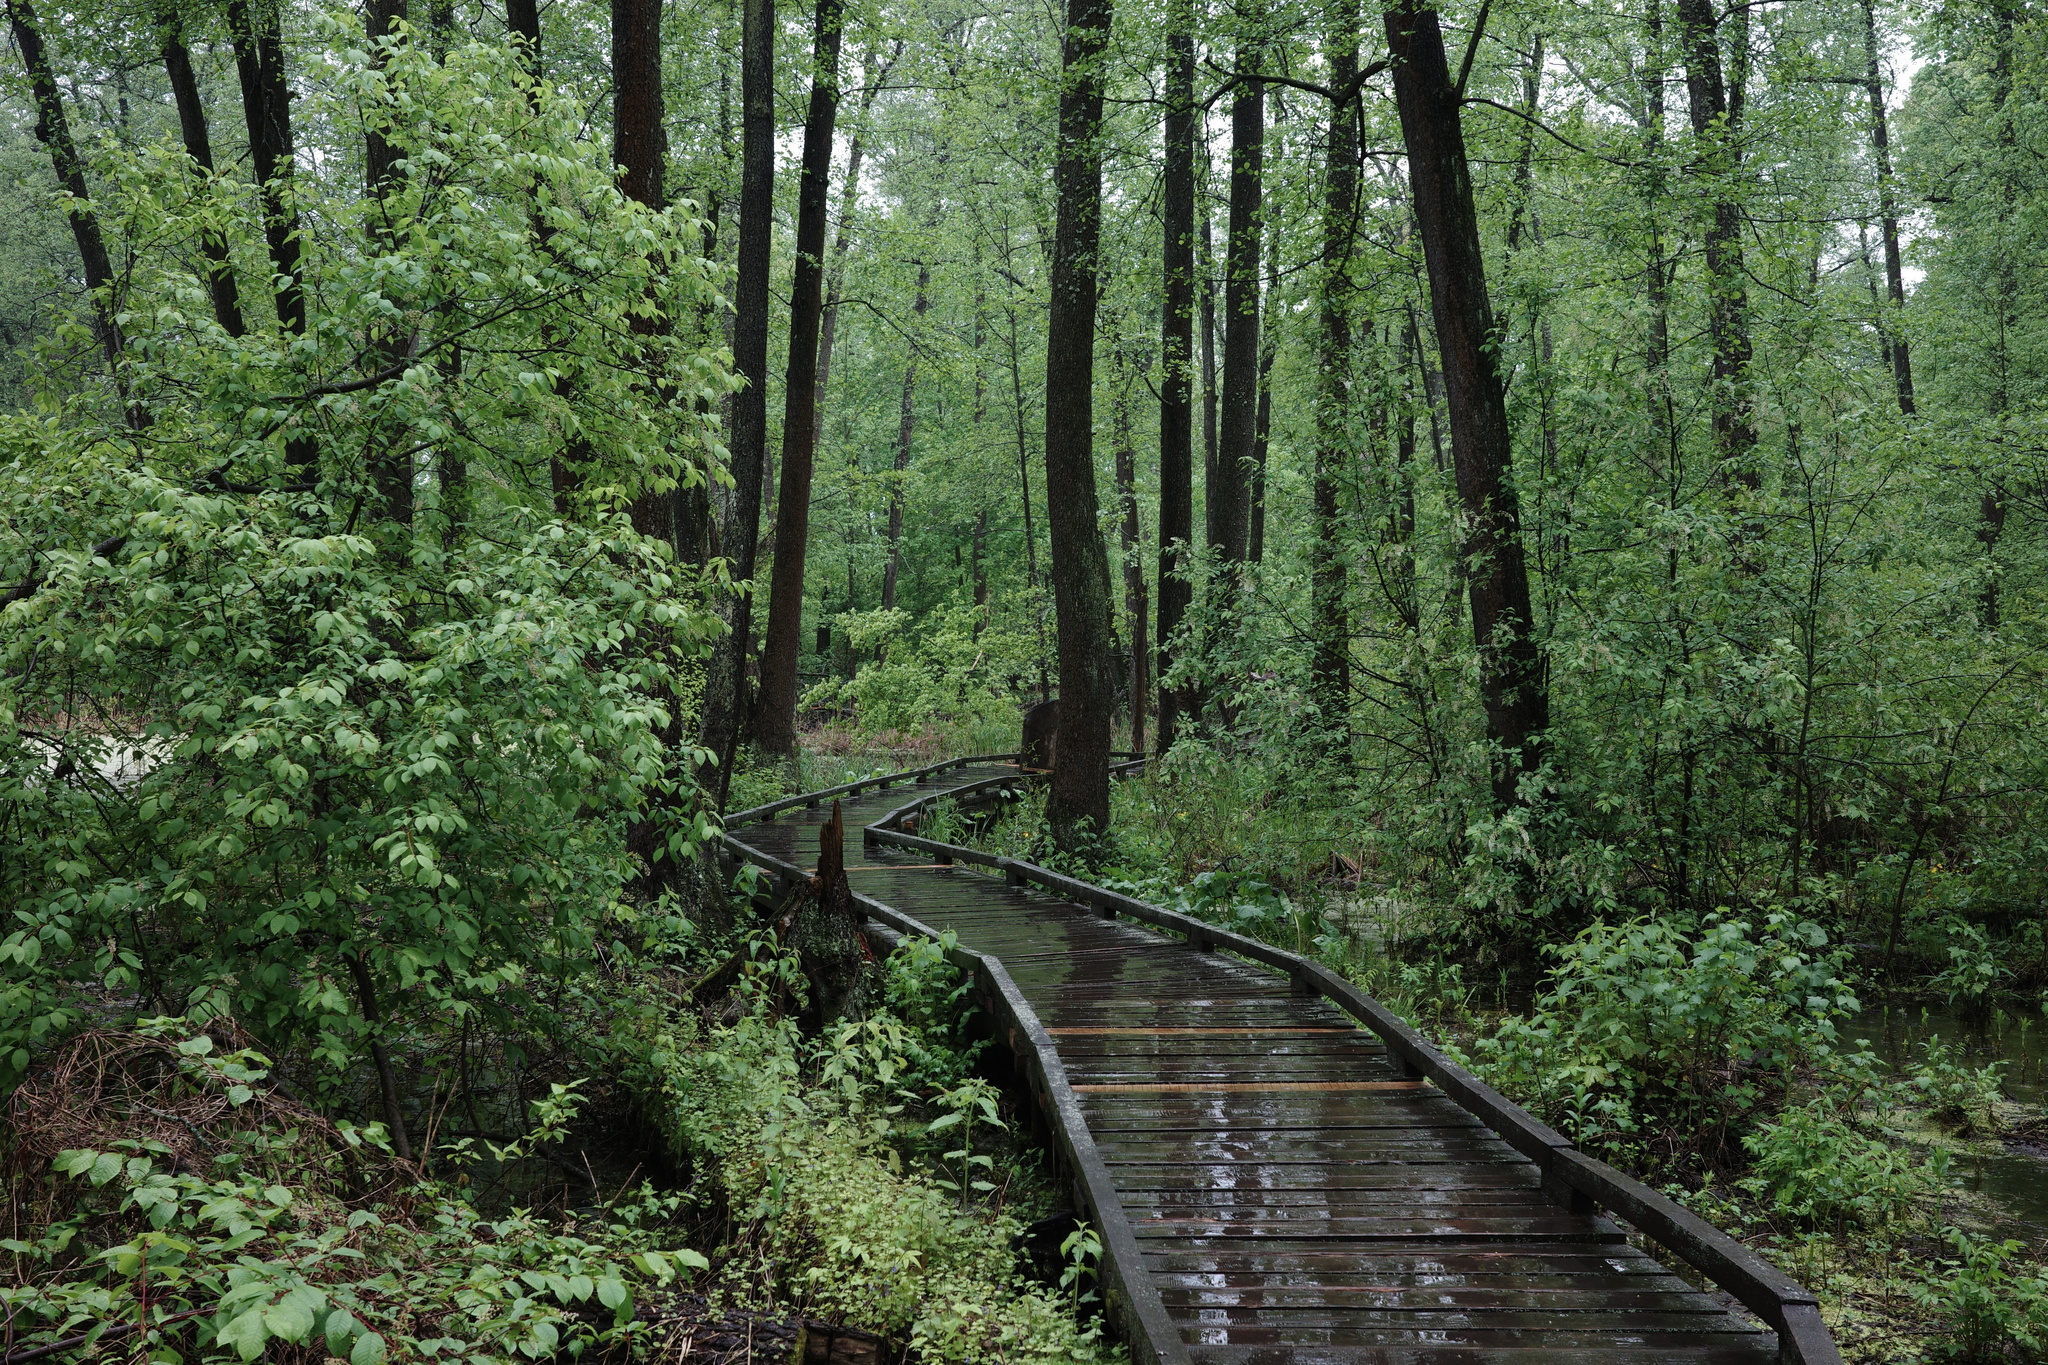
390, 466
1262, 420
739, 519
220, 272
1237, 428
1176, 351
1716, 111
1888, 216
1133, 538
380, 1057
775, 717
53, 128
1078, 810
1208, 373
267, 110
1329, 619
906, 427
1511, 682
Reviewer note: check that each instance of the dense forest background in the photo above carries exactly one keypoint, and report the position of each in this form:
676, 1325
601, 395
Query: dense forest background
1558, 488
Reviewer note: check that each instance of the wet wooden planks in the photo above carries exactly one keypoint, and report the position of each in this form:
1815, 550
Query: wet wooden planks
1296, 1199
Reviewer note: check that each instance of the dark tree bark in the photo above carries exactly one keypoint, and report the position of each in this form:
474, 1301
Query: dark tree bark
1262, 420
1078, 809
387, 1076
739, 521
53, 128
906, 427
391, 467
266, 110
1176, 349
775, 716
1888, 216
1511, 682
522, 17
1208, 372
220, 273
1228, 521
1132, 534
639, 140
1329, 616
1716, 110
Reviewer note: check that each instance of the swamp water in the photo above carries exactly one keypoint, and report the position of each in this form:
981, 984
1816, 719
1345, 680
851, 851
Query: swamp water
2010, 1174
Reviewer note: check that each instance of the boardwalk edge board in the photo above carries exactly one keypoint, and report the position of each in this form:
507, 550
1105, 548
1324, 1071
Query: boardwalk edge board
1136, 1310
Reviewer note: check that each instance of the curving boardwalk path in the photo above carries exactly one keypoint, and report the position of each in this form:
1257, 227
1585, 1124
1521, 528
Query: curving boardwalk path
1294, 1192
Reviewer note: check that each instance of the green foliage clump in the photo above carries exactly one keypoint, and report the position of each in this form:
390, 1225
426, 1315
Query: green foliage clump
807, 1146
271, 1231
316, 708
1990, 1301
1661, 1040
1819, 1168
949, 664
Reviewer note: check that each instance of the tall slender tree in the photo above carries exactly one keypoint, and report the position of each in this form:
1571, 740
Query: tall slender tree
906, 428
1237, 425
1176, 353
1329, 618
53, 126
1078, 808
739, 518
1715, 105
220, 271
254, 27
1512, 687
775, 714
1898, 352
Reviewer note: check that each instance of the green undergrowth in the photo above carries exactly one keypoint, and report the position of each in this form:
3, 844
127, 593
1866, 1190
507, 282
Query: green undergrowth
868, 1175
172, 1202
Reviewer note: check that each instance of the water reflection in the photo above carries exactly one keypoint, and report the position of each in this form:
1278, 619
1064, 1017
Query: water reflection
2015, 1179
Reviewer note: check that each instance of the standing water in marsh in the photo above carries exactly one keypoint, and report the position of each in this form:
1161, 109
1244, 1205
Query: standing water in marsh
2011, 1174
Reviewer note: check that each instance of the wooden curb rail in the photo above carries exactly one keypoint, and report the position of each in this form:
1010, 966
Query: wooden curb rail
1576, 1182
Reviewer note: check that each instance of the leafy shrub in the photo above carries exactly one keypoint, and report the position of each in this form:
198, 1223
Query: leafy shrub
1819, 1169
805, 1145
272, 743
277, 1236
1654, 1037
1954, 1092
953, 665
1987, 1299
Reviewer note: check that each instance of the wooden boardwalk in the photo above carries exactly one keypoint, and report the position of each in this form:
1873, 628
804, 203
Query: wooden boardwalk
1292, 1190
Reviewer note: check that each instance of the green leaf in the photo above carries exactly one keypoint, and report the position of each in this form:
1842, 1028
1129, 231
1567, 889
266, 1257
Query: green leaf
246, 1334
612, 1292
368, 1350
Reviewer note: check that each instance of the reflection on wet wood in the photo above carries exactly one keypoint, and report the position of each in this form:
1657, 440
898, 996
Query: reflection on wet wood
1296, 1199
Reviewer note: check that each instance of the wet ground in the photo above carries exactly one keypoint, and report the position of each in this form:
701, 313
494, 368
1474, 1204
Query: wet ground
2012, 1173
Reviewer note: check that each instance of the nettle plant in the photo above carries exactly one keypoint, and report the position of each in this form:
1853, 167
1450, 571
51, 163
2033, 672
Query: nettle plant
337, 670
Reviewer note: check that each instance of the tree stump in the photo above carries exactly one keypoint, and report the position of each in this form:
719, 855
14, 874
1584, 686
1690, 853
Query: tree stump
825, 931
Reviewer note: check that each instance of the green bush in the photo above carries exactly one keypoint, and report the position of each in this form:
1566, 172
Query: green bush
271, 1229
853, 1177
1819, 1169
1987, 1299
1656, 1038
